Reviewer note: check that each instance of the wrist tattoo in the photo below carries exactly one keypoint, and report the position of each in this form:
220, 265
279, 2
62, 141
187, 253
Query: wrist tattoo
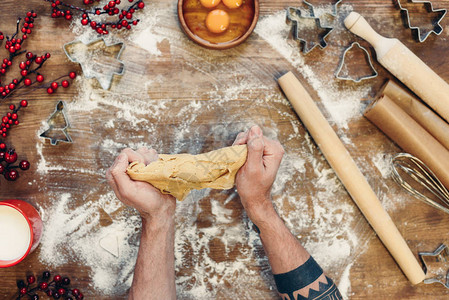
305, 283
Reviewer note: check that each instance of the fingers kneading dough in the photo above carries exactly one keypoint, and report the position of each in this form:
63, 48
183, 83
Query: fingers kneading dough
178, 174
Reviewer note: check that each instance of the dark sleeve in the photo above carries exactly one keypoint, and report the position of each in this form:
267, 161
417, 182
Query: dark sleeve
288, 284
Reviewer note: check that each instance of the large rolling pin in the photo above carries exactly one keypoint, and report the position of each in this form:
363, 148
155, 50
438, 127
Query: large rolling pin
405, 65
429, 120
351, 177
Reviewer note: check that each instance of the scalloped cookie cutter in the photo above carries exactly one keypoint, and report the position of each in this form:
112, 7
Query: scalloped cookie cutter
343, 60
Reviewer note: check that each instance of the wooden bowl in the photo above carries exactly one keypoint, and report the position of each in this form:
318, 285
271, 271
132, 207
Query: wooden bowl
217, 46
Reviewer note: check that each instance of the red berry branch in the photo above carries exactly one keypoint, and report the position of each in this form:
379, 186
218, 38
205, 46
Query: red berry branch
57, 288
124, 17
9, 156
28, 67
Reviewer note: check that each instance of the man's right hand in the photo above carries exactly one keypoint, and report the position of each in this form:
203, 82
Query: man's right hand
256, 177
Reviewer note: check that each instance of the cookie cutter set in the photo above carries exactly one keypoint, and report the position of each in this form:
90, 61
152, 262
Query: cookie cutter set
440, 255
294, 16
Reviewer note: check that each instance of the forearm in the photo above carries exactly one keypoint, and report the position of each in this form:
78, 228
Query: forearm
154, 275
295, 271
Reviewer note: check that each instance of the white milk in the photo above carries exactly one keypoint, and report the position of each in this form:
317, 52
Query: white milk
15, 234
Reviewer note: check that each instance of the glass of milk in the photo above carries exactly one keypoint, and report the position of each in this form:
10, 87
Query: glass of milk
20, 231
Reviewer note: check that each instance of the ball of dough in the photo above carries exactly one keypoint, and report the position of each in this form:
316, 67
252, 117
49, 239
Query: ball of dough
217, 21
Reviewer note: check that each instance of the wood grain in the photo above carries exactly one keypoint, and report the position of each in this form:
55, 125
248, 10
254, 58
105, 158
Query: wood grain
192, 75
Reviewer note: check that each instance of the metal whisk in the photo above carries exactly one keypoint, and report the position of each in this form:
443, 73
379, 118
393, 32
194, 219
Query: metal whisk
420, 173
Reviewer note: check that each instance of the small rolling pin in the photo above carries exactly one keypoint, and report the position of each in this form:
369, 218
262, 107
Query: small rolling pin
351, 177
405, 65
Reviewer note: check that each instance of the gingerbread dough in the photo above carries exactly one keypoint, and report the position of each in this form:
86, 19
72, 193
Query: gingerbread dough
178, 174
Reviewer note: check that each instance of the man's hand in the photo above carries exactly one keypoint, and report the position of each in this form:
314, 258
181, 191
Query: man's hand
148, 200
255, 178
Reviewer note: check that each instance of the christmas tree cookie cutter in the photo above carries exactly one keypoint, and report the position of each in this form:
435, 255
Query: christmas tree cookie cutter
98, 59
58, 126
294, 17
441, 256
343, 62
422, 36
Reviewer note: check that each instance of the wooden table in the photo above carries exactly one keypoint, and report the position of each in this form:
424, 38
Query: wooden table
177, 97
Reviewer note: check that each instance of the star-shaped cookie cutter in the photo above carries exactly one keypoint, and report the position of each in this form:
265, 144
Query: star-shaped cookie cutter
437, 28
293, 15
343, 61
105, 80
441, 254
60, 127
334, 7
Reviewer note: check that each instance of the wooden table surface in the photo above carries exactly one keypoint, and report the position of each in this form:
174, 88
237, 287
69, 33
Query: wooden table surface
178, 97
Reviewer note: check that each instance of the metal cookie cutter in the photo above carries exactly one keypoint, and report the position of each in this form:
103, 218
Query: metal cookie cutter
440, 256
422, 36
294, 17
342, 63
102, 66
420, 173
58, 125
333, 11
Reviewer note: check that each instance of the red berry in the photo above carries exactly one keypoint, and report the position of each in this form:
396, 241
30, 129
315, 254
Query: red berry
93, 24
2, 169
15, 81
25, 165
31, 279
68, 17
61, 291
14, 116
24, 73
12, 107
111, 3
129, 15
11, 86
12, 175
2, 146
65, 83
39, 78
141, 5
23, 290
47, 55
27, 81
50, 90
22, 65
84, 22
24, 103
43, 285
54, 85
80, 296
75, 292
5, 120
10, 157
72, 75
39, 60
57, 278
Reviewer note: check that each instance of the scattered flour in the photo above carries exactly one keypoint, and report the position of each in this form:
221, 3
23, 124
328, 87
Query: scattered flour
345, 284
134, 121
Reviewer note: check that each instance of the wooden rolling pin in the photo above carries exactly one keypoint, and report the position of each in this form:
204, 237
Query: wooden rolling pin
351, 177
429, 120
405, 65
